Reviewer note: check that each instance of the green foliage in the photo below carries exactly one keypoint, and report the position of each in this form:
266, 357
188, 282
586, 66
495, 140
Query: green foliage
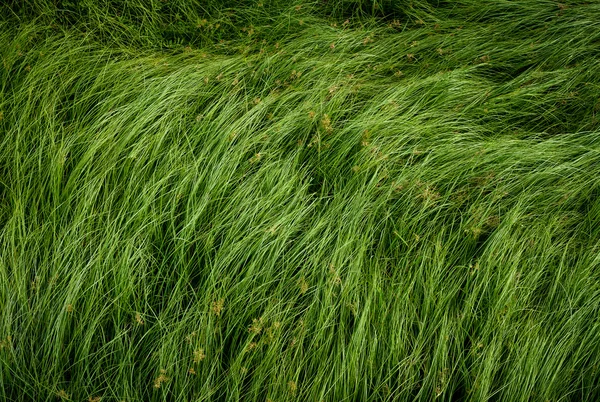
260, 200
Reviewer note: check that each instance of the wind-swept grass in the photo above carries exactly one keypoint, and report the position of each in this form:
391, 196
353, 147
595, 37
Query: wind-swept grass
329, 201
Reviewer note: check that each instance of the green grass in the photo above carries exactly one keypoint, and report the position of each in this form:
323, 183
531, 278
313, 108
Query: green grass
318, 201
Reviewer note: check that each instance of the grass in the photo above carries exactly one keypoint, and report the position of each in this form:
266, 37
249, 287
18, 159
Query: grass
348, 200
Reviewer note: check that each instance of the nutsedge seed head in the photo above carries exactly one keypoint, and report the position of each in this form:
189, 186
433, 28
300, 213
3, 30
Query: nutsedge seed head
256, 327
199, 355
303, 285
217, 307
326, 122
188, 337
161, 379
139, 319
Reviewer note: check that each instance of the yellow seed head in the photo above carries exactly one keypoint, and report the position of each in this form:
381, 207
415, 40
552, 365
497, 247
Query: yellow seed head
256, 158
256, 326
161, 379
326, 122
188, 337
139, 319
199, 355
217, 307
303, 285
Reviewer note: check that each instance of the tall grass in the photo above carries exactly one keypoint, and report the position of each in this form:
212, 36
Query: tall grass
329, 201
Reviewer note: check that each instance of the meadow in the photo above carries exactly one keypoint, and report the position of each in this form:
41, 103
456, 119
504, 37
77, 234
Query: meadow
352, 200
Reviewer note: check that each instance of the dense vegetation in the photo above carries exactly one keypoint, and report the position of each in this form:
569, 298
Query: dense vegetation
314, 201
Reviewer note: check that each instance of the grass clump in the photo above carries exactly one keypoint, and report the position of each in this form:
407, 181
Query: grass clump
354, 200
